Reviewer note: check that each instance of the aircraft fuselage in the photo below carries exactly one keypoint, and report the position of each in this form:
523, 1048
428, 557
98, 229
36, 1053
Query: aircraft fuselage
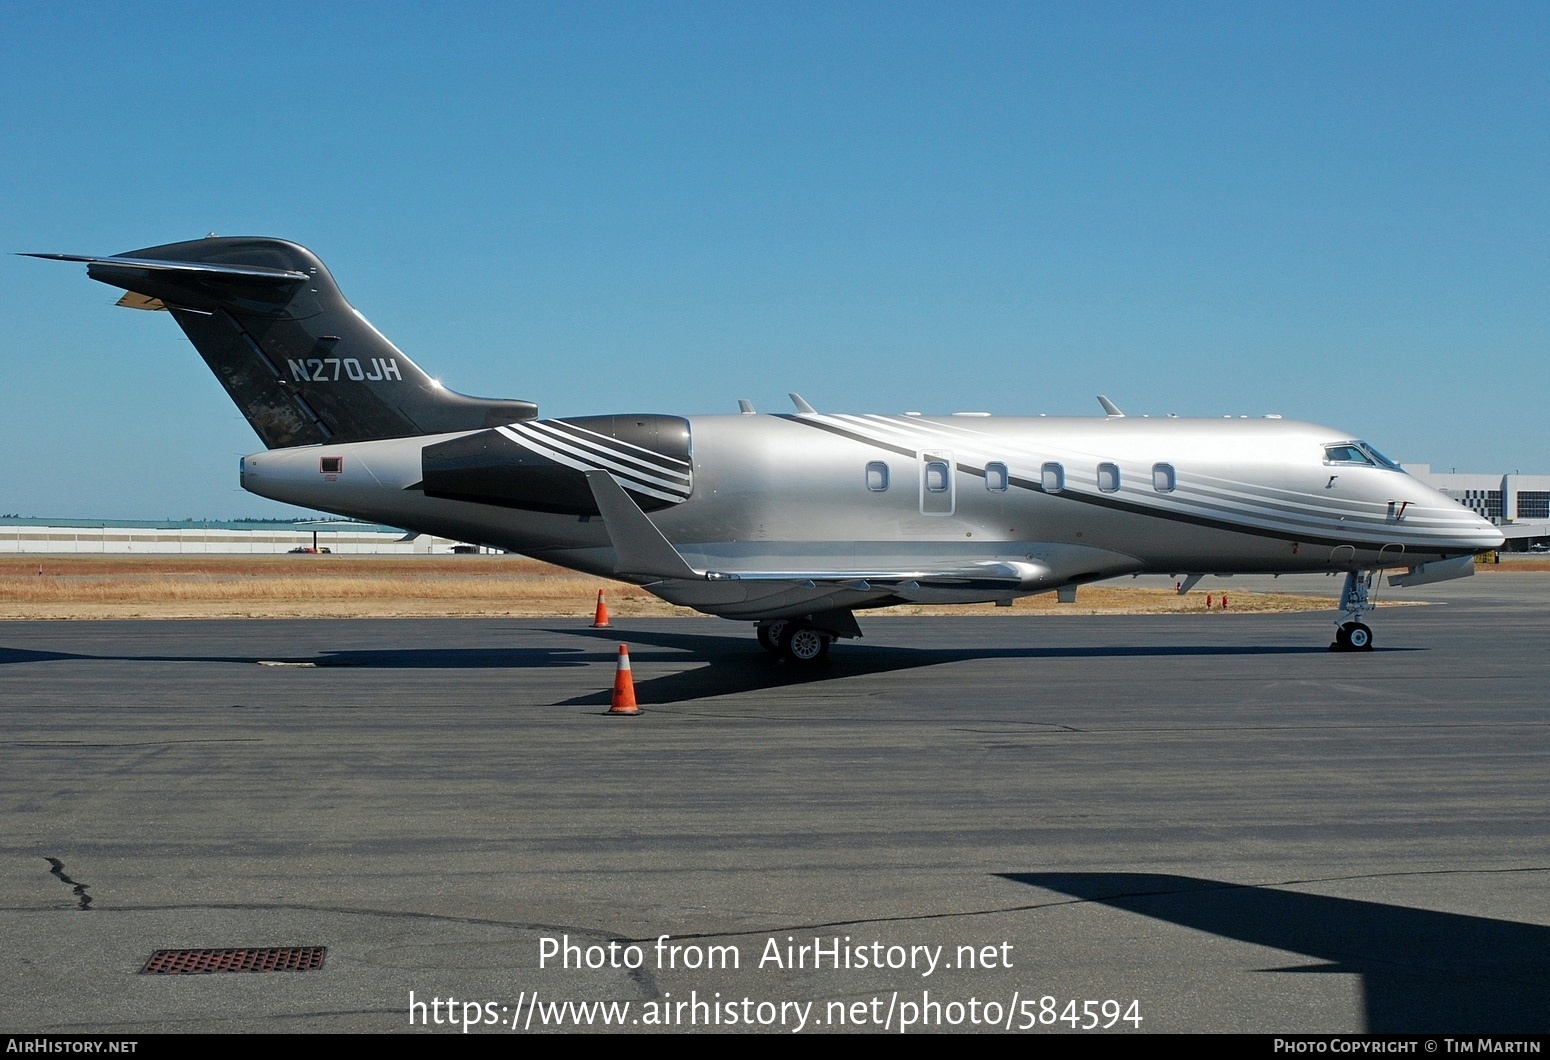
905, 507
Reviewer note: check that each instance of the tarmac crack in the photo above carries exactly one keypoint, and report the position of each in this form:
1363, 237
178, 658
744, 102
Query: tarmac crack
57, 868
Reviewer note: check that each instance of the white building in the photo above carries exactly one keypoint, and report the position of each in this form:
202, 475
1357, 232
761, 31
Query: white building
1519, 504
256, 537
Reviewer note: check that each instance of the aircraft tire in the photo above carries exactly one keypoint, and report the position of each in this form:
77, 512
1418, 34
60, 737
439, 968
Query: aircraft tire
769, 635
1359, 637
1342, 638
801, 643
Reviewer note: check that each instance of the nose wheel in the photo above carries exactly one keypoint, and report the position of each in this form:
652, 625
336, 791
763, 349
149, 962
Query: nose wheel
1352, 634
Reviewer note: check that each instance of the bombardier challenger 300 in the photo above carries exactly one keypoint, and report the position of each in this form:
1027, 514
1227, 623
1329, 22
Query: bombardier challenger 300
794, 521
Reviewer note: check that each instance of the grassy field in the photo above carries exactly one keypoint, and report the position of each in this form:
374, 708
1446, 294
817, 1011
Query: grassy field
81, 587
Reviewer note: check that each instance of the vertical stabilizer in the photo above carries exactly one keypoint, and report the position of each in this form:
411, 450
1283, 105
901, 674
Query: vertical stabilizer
299, 361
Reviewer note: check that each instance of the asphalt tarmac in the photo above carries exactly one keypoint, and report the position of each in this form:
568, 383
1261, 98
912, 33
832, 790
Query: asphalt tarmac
1170, 823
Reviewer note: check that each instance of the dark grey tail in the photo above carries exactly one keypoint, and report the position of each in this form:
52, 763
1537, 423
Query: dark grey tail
302, 365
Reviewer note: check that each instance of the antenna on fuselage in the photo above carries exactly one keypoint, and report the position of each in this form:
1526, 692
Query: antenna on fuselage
745, 406
803, 408
1110, 409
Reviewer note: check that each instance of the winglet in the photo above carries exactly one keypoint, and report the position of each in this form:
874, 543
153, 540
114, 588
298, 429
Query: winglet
1109, 408
639, 547
803, 408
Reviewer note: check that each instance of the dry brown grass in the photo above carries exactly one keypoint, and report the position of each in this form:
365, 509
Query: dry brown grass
429, 586
1513, 564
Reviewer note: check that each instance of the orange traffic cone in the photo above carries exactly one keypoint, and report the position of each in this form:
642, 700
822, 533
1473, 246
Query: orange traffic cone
624, 685
600, 619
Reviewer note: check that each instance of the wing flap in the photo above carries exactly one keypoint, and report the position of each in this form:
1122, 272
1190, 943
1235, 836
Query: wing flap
987, 575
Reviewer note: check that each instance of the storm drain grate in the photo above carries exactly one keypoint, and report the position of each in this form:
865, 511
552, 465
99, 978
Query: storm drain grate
205, 962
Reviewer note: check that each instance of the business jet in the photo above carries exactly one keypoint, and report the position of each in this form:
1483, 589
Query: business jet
793, 521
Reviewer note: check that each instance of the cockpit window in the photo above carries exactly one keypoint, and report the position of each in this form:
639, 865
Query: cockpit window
1345, 453
1378, 458
1358, 453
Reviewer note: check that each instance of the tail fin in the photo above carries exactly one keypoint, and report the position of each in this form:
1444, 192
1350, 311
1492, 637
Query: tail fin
299, 361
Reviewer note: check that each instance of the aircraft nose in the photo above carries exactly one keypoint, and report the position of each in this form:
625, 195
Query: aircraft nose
1476, 531
1491, 531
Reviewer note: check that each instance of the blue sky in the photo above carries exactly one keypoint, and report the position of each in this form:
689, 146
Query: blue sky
1336, 212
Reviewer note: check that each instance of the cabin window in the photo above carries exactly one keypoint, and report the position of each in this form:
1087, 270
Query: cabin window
877, 476
330, 465
1053, 478
936, 476
1163, 478
1108, 477
996, 477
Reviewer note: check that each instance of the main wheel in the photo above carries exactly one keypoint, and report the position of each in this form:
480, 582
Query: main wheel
1359, 637
804, 644
769, 635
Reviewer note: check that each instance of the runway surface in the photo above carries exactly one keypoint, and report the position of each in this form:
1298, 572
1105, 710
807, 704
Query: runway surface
1208, 822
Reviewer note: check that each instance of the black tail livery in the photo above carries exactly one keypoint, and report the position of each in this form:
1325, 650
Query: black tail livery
300, 362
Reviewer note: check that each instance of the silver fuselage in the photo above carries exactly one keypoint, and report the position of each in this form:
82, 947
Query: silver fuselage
784, 514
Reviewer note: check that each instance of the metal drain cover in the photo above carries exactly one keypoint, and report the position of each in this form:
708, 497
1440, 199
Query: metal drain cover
206, 962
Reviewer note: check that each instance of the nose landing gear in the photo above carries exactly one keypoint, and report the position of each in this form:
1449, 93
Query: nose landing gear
1351, 633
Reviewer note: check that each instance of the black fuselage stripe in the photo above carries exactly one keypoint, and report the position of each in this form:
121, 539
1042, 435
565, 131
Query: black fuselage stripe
1118, 505
843, 433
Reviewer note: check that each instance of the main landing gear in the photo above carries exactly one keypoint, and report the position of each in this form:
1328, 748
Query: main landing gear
794, 639
1351, 633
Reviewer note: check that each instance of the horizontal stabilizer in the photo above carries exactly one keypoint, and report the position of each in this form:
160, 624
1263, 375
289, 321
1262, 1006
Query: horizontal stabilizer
251, 273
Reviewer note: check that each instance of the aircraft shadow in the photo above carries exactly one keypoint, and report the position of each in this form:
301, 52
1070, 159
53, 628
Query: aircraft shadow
28, 655
737, 664
1421, 971
383, 658
732, 664
458, 658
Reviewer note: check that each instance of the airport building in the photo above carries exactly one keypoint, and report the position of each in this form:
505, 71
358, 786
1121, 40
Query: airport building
239, 536
1520, 504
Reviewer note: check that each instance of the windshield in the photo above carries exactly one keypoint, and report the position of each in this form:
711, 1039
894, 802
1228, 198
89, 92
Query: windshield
1359, 453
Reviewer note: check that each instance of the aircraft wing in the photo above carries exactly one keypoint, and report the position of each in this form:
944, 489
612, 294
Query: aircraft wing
642, 550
